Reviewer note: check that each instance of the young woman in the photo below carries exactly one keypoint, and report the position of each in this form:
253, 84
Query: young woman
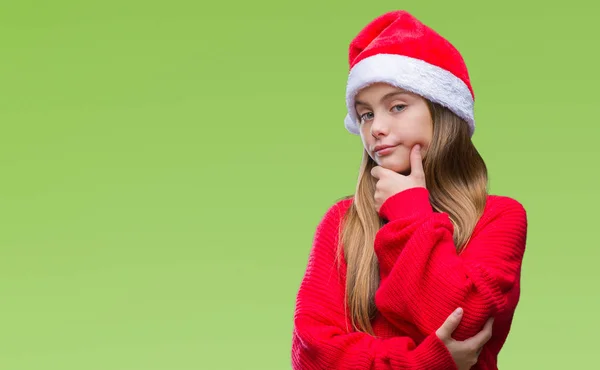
414, 268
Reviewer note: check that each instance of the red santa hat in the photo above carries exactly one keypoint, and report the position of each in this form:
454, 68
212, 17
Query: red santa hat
398, 49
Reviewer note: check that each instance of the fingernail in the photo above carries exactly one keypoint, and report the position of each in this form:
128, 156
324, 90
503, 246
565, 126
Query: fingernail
458, 311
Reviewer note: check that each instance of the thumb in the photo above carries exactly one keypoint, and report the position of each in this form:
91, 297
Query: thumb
445, 331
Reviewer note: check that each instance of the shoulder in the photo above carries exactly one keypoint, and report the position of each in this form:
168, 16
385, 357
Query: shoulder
504, 210
338, 208
501, 203
327, 233
332, 217
330, 222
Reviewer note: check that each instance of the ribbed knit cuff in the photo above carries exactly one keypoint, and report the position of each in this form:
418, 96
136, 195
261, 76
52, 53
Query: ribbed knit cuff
432, 354
408, 202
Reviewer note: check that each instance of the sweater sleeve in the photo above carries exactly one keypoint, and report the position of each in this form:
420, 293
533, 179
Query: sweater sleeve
322, 334
423, 278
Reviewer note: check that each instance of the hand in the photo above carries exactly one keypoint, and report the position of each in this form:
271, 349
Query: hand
390, 182
465, 353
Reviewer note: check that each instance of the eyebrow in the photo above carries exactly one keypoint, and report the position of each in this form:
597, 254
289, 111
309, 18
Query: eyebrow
386, 96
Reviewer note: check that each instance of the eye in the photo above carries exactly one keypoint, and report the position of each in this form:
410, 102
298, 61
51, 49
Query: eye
399, 106
366, 116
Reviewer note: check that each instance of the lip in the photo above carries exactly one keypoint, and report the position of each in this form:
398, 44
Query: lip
384, 149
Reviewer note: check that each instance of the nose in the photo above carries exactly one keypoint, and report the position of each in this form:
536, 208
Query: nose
379, 127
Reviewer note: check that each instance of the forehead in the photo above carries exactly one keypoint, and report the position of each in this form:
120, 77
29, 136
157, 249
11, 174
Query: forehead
378, 91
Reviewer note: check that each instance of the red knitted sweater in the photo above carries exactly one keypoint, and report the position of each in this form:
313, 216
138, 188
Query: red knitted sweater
422, 280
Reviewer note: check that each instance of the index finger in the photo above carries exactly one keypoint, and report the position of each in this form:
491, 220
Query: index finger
375, 171
416, 161
379, 171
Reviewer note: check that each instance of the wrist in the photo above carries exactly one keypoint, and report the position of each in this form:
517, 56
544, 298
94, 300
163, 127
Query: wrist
406, 203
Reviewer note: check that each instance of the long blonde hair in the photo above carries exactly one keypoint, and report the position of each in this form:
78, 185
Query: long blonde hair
457, 181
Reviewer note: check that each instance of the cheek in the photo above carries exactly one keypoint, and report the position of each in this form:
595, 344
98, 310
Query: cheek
421, 133
366, 138
428, 136
425, 137
365, 141
416, 135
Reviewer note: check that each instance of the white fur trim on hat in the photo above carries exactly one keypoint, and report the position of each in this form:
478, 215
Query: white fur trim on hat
427, 80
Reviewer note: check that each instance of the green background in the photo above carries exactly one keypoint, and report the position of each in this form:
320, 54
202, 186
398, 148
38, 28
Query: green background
164, 166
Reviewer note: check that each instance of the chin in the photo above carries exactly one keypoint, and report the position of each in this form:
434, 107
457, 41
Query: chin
394, 166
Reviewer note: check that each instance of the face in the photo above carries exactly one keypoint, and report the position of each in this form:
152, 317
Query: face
389, 116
